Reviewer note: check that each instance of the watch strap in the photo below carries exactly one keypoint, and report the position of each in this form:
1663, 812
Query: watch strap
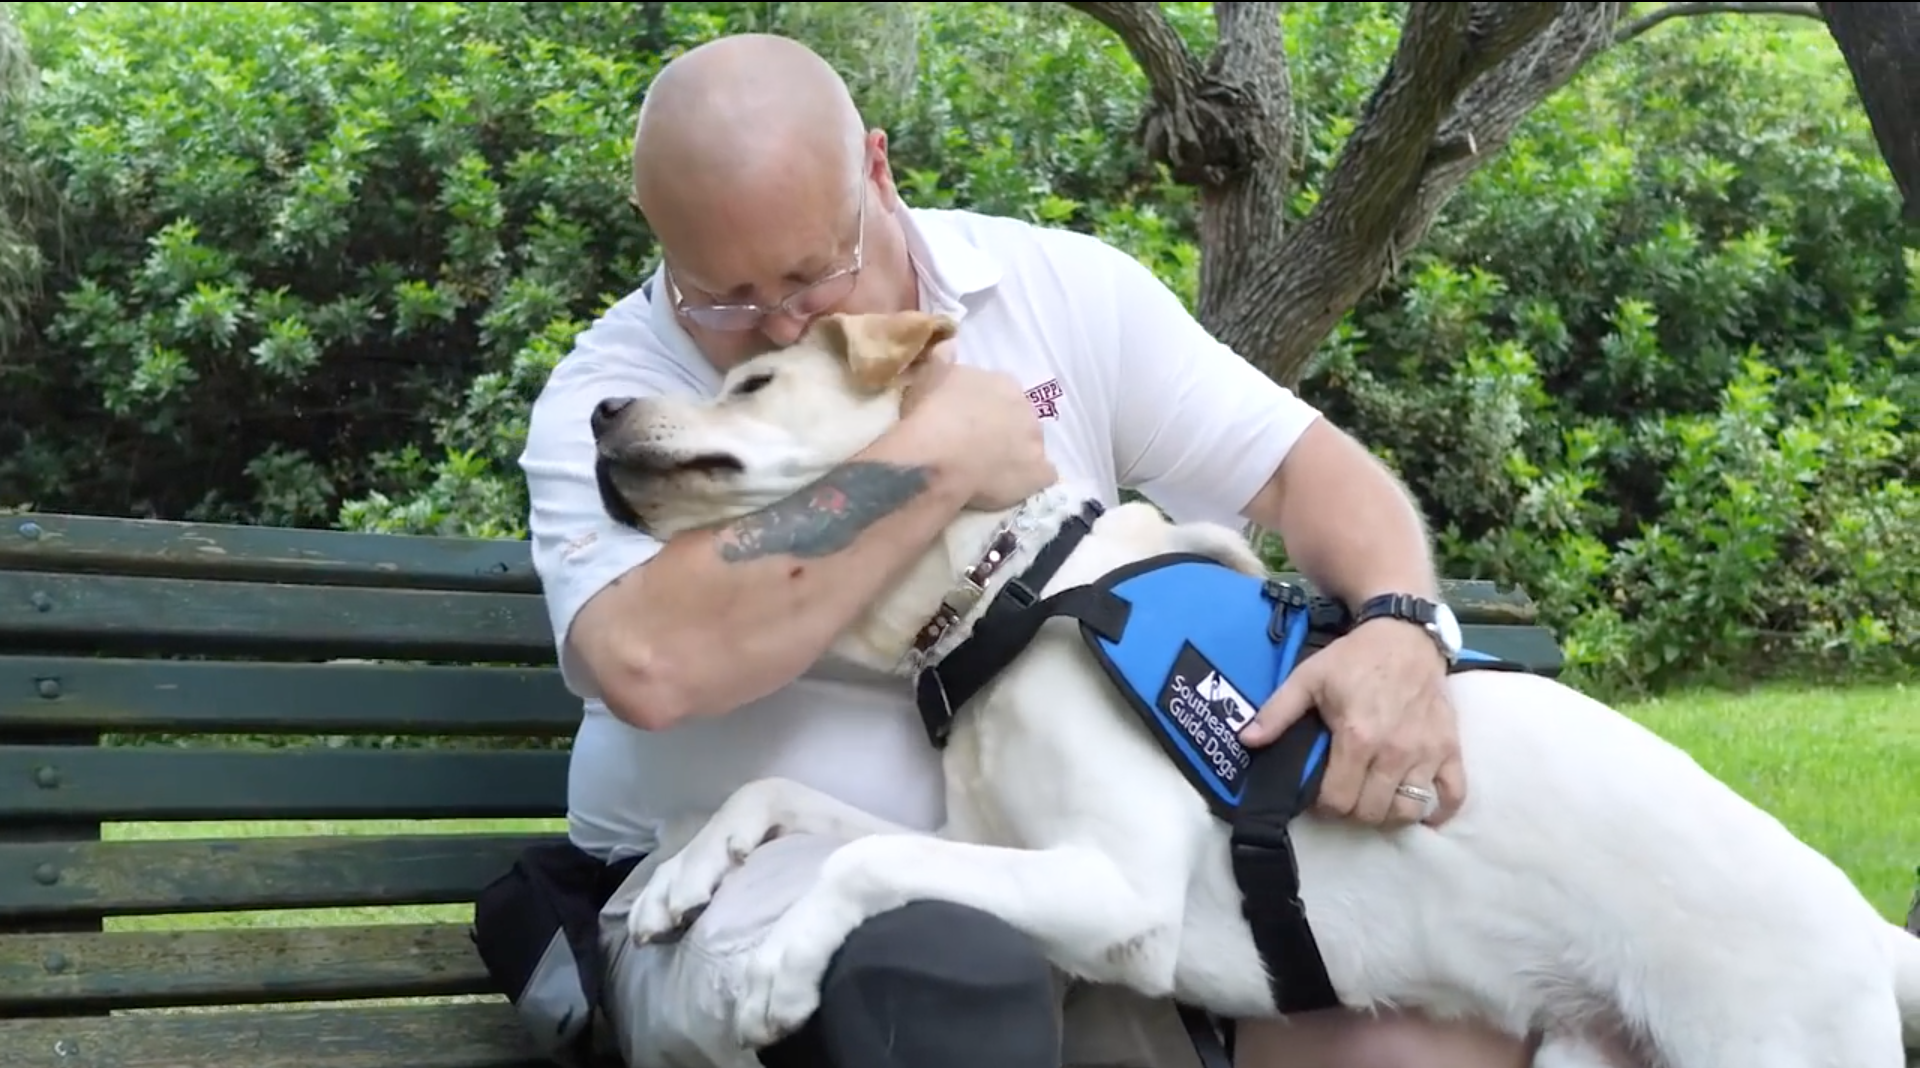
1402, 606
1407, 608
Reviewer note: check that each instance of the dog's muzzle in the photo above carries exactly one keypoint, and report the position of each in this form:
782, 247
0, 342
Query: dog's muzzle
606, 415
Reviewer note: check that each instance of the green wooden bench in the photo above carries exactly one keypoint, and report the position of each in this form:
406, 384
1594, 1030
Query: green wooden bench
203, 638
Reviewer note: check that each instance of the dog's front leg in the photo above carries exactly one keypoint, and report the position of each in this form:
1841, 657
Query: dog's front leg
756, 813
1089, 920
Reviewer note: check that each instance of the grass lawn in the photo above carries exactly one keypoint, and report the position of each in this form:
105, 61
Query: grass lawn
1841, 768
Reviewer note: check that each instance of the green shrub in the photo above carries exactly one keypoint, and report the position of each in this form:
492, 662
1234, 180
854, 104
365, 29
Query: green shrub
26, 209
1655, 363
312, 243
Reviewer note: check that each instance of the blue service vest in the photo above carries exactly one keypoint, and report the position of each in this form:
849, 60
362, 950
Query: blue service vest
1203, 646
1196, 648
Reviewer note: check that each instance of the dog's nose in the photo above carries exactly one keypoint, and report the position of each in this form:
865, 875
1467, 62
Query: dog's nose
606, 412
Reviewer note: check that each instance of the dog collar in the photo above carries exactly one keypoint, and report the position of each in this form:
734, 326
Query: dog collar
965, 596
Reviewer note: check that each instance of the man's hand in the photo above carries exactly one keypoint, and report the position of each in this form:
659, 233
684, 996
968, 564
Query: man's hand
984, 422
1382, 690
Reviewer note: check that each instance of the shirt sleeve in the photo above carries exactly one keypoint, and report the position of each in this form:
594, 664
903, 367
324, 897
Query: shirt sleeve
1196, 428
577, 549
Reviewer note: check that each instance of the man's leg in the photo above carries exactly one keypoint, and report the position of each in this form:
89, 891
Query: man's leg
1337, 1038
927, 985
1114, 1027
930, 985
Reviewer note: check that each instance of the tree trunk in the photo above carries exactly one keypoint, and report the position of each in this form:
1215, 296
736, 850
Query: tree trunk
1462, 78
1881, 44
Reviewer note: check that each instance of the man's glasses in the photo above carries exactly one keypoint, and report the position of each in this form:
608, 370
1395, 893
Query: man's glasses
816, 298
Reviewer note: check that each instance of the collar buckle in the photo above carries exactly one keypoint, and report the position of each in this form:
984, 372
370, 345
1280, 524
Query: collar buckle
965, 595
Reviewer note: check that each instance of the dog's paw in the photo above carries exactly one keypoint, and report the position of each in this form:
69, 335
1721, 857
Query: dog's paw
780, 987
687, 881
654, 916
778, 996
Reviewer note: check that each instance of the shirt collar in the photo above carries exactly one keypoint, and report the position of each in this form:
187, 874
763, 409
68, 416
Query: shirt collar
952, 267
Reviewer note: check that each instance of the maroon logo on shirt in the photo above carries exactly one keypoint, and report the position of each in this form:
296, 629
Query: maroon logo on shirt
1045, 398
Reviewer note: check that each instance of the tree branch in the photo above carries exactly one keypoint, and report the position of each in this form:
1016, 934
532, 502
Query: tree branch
1172, 72
1881, 44
1243, 218
1443, 48
1461, 80
1209, 125
1727, 7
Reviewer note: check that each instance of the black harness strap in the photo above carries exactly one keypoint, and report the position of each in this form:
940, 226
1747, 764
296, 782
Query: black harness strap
1269, 874
1009, 623
1278, 788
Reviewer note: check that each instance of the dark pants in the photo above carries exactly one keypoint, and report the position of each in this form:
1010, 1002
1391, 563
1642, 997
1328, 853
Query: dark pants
930, 985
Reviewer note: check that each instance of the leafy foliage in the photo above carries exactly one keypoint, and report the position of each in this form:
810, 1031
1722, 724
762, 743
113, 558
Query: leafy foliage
26, 209
1656, 362
1657, 365
314, 243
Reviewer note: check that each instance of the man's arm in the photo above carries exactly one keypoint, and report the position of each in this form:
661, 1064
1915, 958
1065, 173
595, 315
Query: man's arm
1208, 435
725, 616
1348, 524
1208, 431
718, 617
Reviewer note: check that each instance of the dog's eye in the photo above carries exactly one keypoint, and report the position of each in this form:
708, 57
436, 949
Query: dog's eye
752, 385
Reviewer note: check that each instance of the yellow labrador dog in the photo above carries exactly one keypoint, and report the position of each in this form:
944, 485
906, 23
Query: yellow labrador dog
1596, 877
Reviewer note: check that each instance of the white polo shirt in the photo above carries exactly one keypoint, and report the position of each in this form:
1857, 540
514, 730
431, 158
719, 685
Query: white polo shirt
1131, 391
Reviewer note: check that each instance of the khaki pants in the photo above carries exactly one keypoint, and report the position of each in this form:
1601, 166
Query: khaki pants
670, 1003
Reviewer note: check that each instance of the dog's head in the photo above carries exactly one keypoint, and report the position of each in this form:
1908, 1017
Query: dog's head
780, 421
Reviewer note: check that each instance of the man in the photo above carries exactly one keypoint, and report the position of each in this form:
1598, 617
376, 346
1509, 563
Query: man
701, 659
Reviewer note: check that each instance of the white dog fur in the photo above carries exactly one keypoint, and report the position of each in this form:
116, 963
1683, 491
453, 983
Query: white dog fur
1597, 878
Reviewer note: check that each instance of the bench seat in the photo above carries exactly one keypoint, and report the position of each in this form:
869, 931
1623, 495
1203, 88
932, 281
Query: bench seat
251, 781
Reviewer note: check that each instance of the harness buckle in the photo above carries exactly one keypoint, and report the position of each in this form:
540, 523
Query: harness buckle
1285, 593
1261, 836
1272, 849
1287, 599
936, 708
1018, 593
1328, 615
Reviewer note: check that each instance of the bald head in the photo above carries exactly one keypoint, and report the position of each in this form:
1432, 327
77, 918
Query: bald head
760, 183
749, 115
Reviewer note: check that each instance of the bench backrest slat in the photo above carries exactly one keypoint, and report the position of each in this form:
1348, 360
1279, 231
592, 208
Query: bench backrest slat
52, 783
444, 1036
42, 880
71, 543
163, 969
162, 615
200, 696
1530, 647
327, 557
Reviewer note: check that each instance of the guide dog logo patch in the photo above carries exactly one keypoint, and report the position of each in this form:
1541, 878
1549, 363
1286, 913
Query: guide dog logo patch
1205, 714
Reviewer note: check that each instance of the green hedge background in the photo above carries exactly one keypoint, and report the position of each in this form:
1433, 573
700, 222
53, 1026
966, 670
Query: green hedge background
307, 264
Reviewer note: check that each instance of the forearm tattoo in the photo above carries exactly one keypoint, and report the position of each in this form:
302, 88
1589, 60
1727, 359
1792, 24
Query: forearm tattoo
825, 517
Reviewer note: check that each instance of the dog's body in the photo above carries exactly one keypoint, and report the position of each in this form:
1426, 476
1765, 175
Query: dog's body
1597, 880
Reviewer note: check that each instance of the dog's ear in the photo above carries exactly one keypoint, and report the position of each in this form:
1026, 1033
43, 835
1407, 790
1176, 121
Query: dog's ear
879, 347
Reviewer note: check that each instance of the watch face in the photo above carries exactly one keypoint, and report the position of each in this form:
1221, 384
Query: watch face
1449, 627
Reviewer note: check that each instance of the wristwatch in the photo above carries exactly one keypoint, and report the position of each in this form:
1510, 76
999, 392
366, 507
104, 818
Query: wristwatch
1436, 619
